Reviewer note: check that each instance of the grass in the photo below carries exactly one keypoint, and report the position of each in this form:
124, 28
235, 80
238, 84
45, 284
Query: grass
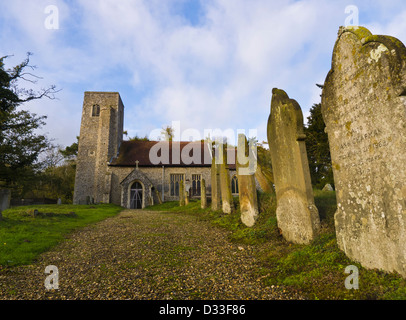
317, 270
24, 236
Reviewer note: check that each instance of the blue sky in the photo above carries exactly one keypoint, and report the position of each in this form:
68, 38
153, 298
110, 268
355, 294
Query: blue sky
209, 64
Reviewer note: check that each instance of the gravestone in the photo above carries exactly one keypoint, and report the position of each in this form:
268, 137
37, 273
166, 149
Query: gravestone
296, 214
364, 108
59, 201
186, 198
203, 197
215, 183
158, 196
327, 187
225, 187
5, 196
181, 193
246, 182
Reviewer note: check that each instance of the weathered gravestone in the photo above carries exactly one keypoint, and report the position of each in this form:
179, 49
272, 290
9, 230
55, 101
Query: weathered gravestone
246, 182
364, 108
181, 193
203, 197
227, 203
215, 182
186, 198
327, 187
297, 216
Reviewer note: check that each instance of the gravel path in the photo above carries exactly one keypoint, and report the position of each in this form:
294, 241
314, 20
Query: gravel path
144, 255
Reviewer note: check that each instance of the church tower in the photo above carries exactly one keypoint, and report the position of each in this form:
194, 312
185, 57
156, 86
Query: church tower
101, 133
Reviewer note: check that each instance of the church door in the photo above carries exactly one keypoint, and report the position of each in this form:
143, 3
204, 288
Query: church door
136, 194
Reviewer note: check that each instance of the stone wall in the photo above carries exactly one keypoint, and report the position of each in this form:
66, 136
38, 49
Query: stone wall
154, 174
100, 136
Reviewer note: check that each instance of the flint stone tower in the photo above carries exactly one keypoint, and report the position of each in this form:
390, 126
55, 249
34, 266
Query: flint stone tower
364, 108
101, 133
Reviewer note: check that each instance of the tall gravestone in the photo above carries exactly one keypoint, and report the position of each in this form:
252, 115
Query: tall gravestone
364, 108
246, 182
215, 183
297, 216
203, 198
186, 198
181, 193
225, 187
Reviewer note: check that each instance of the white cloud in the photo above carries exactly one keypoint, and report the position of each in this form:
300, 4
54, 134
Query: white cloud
218, 73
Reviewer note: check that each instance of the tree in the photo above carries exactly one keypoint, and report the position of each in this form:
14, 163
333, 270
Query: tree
51, 157
137, 138
264, 172
168, 132
318, 150
20, 145
70, 152
56, 179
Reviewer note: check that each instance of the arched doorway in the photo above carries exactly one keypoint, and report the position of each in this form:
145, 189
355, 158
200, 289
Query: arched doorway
136, 195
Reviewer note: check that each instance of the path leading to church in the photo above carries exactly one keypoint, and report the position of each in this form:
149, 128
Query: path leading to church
144, 255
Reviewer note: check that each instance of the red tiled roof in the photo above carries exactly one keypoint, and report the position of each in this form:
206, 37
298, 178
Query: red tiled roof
132, 151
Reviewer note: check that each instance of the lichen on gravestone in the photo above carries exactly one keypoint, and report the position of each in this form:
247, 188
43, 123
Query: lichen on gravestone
215, 181
227, 203
246, 183
297, 216
203, 197
364, 108
181, 193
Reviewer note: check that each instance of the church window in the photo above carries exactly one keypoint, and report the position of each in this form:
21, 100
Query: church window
95, 110
175, 180
196, 181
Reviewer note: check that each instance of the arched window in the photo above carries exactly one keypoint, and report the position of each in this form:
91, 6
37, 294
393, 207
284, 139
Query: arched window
196, 178
136, 195
175, 180
234, 185
95, 110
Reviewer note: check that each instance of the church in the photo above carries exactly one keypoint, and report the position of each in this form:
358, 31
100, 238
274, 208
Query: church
136, 174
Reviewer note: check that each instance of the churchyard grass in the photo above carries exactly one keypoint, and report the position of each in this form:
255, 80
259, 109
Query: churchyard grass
316, 270
24, 236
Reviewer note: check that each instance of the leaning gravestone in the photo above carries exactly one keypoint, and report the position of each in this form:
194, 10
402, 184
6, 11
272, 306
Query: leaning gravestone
364, 108
246, 182
297, 216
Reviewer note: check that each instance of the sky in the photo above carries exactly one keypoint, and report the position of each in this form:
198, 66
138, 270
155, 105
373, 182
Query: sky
198, 64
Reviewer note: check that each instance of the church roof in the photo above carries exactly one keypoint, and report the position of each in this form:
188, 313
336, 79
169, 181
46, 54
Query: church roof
169, 154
